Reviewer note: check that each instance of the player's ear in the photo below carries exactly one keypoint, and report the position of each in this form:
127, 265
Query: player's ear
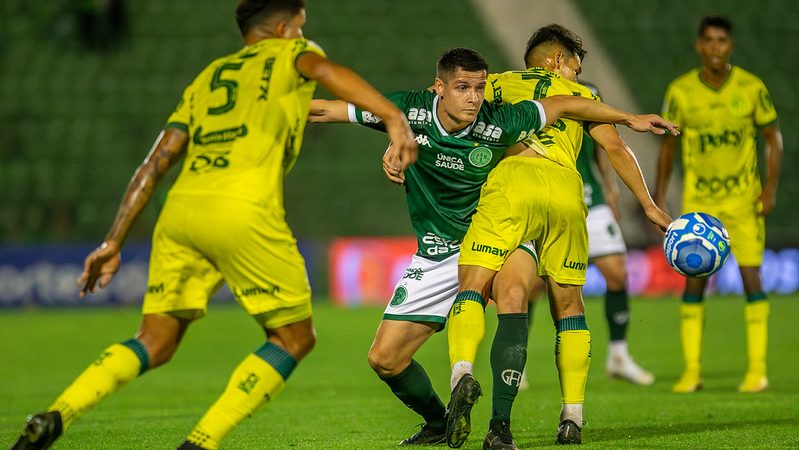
438, 86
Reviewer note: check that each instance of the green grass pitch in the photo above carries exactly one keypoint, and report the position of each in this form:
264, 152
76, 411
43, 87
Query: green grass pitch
334, 401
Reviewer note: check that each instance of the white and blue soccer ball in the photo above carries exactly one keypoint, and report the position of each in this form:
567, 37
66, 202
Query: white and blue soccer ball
696, 245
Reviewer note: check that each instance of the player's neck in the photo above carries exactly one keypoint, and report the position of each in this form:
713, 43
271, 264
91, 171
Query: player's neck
257, 35
715, 77
449, 123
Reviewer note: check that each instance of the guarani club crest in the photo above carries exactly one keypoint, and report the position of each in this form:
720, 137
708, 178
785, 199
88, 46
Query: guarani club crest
400, 294
480, 156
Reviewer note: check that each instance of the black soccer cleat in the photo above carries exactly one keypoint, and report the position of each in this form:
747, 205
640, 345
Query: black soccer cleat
428, 435
186, 445
40, 431
459, 422
569, 433
499, 437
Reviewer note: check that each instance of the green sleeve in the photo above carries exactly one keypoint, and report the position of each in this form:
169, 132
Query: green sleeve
522, 119
367, 119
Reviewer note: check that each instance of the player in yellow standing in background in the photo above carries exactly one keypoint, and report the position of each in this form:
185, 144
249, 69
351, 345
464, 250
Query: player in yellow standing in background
719, 108
536, 195
239, 126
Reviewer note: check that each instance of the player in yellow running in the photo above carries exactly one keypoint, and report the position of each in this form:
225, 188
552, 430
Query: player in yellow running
536, 195
720, 107
239, 127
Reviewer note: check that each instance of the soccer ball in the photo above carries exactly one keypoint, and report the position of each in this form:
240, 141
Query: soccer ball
696, 245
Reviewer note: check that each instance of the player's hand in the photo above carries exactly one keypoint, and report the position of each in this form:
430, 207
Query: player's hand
765, 203
658, 217
394, 175
101, 265
652, 123
403, 142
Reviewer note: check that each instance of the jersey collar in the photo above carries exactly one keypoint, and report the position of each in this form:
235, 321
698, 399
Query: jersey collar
460, 134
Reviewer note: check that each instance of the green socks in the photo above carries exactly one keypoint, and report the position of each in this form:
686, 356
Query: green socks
508, 357
412, 386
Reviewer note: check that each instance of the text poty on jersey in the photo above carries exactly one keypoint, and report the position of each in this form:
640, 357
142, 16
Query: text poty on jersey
449, 162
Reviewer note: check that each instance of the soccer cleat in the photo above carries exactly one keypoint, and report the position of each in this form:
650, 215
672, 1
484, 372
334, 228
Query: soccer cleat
186, 445
40, 431
499, 437
753, 382
459, 422
569, 433
428, 435
689, 382
625, 367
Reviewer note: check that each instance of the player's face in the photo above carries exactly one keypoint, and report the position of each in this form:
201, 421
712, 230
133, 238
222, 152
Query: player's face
292, 28
570, 67
462, 94
715, 47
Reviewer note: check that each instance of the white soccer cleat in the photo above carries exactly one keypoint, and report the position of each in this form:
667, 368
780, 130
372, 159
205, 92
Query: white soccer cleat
624, 367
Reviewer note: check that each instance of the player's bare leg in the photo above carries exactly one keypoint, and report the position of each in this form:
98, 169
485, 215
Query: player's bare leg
572, 356
255, 382
511, 289
692, 324
466, 331
756, 313
157, 340
617, 312
391, 357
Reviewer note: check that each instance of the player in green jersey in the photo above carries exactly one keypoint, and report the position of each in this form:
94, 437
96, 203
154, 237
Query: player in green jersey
239, 127
536, 195
721, 107
606, 249
461, 139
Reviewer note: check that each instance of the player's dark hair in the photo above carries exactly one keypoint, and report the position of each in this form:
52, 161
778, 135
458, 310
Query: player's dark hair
463, 58
555, 34
715, 22
250, 13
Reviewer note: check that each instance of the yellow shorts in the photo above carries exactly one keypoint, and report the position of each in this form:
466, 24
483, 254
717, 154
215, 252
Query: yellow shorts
200, 242
746, 227
531, 199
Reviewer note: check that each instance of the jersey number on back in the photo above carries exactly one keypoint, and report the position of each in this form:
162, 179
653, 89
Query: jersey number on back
231, 88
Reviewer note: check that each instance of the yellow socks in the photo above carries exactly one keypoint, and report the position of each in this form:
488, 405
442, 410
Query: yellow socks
756, 314
116, 365
692, 323
573, 357
257, 380
466, 331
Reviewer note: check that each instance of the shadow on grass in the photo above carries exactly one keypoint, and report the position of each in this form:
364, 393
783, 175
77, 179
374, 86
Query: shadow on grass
618, 436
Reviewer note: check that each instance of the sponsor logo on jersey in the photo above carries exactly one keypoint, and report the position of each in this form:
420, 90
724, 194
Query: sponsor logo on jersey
449, 162
420, 116
421, 139
438, 245
368, 117
211, 160
480, 156
414, 273
399, 297
487, 132
255, 290
482, 248
729, 138
576, 265
220, 136
155, 288
266, 78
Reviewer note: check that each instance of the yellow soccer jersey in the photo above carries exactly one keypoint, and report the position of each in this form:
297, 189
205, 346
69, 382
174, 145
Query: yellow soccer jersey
719, 151
559, 142
245, 114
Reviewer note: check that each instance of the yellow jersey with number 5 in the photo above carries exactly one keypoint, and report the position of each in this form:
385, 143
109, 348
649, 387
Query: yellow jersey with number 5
719, 150
245, 114
559, 142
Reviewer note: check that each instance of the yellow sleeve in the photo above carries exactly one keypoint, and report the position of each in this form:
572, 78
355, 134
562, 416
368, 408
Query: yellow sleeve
765, 114
672, 110
492, 87
181, 117
302, 45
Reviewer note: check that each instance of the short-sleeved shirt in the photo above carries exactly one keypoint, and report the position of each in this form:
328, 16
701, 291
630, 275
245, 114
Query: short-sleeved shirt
243, 145
559, 142
719, 153
443, 186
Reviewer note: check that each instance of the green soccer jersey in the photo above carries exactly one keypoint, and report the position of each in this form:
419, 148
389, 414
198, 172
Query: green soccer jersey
586, 165
443, 186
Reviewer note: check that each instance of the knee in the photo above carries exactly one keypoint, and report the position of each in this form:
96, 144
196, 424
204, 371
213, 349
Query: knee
513, 299
617, 280
302, 345
159, 350
383, 365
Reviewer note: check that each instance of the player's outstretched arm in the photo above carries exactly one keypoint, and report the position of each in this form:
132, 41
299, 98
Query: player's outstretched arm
349, 86
608, 180
328, 111
104, 261
773, 158
626, 165
590, 110
664, 167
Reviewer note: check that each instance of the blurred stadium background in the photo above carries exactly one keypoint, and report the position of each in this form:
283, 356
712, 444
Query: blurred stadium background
85, 86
